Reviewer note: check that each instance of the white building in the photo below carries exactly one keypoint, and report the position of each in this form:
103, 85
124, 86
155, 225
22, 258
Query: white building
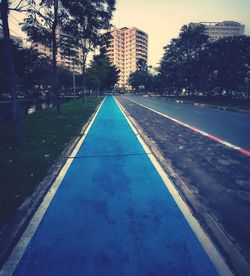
126, 47
216, 30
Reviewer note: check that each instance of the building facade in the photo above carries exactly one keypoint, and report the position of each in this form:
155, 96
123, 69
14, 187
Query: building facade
127, 46
67, 60
216, 30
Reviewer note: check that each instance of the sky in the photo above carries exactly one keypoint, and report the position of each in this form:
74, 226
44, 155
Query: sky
162, 19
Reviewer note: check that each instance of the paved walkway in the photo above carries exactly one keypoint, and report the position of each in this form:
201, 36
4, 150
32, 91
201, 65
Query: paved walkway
112, 214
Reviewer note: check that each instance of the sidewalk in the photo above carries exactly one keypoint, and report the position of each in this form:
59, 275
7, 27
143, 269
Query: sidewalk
112, 214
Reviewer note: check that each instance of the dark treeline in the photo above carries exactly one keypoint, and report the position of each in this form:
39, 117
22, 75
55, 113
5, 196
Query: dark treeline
34, 75
193, 64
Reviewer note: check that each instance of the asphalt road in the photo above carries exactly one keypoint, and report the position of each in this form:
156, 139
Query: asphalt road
229, 126
112, 214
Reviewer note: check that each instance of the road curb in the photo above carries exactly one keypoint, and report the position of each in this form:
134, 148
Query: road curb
13, 230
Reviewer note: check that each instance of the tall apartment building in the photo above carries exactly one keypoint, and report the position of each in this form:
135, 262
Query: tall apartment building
127, 46
63, 59
216, 30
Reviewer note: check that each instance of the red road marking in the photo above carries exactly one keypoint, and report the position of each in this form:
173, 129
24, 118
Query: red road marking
225, 143
244, 151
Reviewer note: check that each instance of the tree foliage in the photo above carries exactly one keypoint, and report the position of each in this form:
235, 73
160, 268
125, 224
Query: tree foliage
43, 25
102, 75
70, 25
225, 64
33, 69
194, 64
87, 22
140, 79
6, 7
179, 63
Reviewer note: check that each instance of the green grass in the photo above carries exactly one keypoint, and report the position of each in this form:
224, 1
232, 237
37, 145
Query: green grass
44, 137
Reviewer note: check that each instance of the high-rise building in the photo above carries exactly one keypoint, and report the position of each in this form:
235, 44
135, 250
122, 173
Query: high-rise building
127, 46
216, 30
66, 60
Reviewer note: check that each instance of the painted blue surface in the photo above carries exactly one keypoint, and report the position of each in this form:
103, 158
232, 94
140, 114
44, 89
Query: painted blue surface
113, 215
230, 126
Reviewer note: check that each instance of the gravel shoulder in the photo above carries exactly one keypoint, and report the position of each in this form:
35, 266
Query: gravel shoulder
212, 178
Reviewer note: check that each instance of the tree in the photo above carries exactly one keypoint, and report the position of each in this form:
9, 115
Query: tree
5, 7
225, 64
31, 68
102, 75
65, 77
195, 64
89, 20
42, 26
140, 79
179, 67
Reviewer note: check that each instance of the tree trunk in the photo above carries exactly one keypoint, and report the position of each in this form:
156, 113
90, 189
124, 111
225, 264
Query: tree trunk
11, 73
84, 69
54, 59
84, 58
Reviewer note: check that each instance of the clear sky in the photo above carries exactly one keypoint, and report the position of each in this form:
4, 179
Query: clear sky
162, 19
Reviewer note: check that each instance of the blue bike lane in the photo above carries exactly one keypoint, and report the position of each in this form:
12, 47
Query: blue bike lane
112, 214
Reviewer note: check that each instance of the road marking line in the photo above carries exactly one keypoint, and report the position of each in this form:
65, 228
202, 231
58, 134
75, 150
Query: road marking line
19, 250
209, 247
195, 129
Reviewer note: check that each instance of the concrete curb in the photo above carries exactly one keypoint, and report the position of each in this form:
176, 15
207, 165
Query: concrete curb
14, 229
226, 245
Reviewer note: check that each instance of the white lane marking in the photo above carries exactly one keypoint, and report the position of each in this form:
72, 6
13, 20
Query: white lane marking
209, 247
246, 152
19, 250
